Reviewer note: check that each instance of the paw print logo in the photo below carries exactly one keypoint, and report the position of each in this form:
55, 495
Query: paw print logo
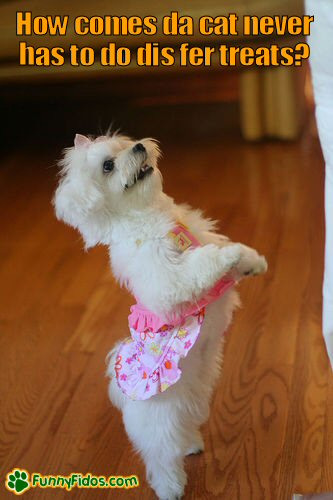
17, 481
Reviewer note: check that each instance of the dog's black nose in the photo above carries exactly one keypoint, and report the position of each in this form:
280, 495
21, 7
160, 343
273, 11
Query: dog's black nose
139, 147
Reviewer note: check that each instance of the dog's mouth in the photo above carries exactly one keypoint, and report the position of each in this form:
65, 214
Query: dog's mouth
144, 171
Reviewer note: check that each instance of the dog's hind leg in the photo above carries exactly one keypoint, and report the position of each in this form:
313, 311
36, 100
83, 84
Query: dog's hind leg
165, 474
159, 435
196, 444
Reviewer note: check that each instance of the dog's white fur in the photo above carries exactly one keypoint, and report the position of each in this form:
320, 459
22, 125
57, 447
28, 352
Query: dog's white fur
133, 219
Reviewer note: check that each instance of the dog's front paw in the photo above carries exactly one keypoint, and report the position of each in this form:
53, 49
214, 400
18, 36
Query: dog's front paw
230, 256
250, 263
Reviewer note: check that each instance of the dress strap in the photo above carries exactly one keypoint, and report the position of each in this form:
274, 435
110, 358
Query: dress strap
183, 238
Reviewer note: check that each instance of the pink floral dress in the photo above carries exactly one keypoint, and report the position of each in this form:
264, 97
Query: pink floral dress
147, 362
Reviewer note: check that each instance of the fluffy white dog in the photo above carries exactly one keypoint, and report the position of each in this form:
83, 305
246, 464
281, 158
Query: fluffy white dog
170, 259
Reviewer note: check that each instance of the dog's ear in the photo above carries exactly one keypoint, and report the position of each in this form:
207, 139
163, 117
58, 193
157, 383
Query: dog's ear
81, 141
101, 138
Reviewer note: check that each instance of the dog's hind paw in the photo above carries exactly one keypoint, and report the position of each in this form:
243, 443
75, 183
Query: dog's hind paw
171, 498
194, 451
168, 483
171, 495
196, 447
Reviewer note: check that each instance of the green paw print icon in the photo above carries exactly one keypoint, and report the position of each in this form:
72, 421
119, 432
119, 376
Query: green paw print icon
17, 481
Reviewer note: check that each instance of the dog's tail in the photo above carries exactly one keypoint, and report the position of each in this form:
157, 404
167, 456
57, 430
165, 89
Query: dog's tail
117, 397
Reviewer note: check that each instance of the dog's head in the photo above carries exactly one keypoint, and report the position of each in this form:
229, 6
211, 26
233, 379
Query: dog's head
103, 178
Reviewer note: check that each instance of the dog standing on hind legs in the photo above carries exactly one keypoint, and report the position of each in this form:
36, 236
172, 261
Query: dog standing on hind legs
183, 276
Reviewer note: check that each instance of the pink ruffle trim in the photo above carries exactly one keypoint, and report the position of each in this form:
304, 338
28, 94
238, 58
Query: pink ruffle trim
142, 319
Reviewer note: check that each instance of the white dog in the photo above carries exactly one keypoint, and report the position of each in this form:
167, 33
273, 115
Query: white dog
182, 274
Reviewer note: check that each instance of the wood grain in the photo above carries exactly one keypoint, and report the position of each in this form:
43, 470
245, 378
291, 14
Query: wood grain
271, 427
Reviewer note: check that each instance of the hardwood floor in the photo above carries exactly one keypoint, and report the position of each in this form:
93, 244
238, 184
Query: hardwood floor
271, 428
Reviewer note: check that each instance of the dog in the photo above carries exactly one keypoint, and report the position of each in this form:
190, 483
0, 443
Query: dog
183, 276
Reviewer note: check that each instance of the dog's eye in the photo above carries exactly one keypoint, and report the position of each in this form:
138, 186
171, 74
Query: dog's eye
108, 166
